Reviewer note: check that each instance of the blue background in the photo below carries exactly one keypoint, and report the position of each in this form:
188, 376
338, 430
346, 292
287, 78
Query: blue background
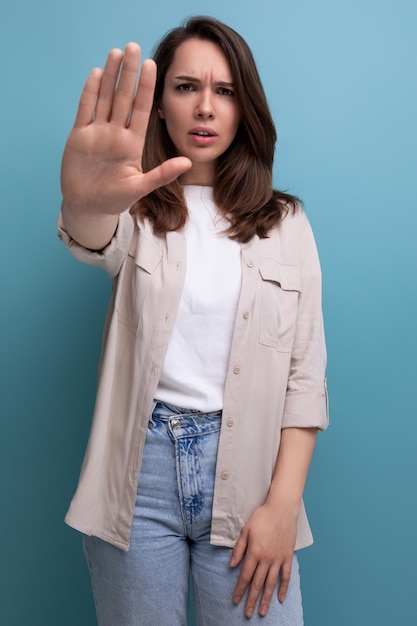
341, 81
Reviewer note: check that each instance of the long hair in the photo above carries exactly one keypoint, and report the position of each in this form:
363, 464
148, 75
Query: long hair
242, 185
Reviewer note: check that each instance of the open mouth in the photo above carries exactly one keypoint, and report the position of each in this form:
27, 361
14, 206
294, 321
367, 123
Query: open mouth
202, 133
203, 136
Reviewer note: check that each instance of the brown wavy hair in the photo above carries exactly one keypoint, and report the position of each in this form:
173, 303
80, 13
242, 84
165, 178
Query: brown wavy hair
242, 184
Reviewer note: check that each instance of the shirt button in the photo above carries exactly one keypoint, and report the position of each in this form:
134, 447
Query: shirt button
236, 369
230, 422
225, 475
175, 424
246, 315
250, 264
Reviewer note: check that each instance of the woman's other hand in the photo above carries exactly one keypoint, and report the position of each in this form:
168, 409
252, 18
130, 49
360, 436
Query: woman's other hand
266, 544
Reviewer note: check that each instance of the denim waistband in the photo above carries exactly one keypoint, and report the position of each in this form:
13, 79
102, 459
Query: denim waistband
181, 422
165, 410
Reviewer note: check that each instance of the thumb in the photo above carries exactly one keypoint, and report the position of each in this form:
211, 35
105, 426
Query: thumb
166, 172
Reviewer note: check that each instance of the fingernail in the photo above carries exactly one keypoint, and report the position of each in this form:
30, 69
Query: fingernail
249, 612
263, 610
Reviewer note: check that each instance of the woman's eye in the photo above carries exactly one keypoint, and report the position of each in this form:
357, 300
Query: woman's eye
223, 91
185, 87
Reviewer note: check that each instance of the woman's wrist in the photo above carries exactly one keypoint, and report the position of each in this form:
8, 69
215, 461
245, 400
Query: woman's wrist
90, 231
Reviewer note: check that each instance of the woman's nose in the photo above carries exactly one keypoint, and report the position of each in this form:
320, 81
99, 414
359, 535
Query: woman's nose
205, 108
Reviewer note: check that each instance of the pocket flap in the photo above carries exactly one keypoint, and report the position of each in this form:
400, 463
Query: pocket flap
287, 276
146, 253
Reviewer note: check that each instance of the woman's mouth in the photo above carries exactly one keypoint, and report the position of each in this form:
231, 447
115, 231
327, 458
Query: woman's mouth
203, 136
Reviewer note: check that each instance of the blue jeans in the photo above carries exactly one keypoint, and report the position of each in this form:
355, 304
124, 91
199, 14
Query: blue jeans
148, 586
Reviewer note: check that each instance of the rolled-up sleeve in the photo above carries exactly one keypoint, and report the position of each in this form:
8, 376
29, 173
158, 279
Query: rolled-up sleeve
112, 256
306, 404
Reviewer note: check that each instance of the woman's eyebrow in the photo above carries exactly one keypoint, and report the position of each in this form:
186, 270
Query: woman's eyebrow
193, 79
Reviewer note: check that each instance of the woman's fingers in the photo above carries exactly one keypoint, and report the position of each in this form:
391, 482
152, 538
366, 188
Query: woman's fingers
268, 591
245, 578
260, 578
88, 99
285, 580
110, 95
144, 99
104, 105
260, 583
118, 86
126, 86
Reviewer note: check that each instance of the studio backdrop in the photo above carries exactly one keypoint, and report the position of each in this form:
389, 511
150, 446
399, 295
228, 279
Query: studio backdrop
340, 76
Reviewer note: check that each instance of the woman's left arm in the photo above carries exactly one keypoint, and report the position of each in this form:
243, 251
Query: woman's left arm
267, 541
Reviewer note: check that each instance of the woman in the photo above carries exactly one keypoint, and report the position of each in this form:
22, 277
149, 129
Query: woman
211, 386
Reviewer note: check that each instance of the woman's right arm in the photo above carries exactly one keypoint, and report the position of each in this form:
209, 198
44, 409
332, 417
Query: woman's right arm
101, 174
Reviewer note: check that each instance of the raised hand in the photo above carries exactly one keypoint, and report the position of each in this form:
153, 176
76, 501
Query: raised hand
101, 171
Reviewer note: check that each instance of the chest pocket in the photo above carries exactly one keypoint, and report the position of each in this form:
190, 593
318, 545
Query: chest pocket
280, 290
135, 280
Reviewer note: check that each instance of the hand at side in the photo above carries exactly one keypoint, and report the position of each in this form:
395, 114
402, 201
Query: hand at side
267, 541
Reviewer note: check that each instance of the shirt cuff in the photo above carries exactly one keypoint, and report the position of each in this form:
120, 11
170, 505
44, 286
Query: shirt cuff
112, 256
307, 409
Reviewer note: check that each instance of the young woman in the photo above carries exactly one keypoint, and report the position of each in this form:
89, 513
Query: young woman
211, 386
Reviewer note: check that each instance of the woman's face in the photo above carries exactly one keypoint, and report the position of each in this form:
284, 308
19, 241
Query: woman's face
199, 107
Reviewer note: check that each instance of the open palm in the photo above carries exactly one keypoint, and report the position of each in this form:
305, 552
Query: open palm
101, 167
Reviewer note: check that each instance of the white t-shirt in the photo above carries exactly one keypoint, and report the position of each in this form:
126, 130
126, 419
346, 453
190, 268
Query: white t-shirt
195, 367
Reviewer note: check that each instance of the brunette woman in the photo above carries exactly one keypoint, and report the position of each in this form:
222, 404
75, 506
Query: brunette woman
211, 386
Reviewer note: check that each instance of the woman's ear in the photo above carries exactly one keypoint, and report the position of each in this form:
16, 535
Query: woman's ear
161, 112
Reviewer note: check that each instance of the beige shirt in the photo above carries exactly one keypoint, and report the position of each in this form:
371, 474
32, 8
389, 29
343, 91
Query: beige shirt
275, 379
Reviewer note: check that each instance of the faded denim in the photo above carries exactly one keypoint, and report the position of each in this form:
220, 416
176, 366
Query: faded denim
148, 586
